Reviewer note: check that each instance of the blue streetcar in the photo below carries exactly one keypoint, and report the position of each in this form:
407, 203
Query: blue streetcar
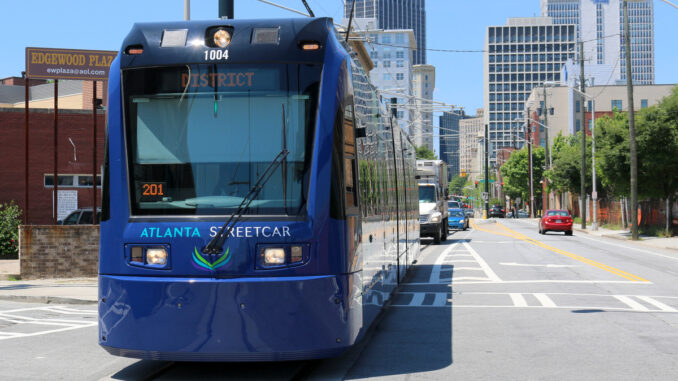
259, 200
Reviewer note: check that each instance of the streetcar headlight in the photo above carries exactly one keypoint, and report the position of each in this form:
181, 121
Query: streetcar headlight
156, 256
274, 256
222, 38
435, 217
296, 254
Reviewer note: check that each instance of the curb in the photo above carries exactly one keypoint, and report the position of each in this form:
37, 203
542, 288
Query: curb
10, 277
621, 238
45, 299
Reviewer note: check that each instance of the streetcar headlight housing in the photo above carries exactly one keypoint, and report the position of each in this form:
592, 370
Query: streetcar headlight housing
156, 256
274, 256
435, 217
221, 38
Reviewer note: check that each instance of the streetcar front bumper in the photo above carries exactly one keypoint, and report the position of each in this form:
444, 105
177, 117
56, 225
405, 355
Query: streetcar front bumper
238, 319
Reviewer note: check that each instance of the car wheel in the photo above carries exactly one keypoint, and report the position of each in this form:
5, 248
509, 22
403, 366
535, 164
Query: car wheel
444, 232
436, 238
569, 232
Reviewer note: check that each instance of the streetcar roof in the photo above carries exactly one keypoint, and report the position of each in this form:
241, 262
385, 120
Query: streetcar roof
190, 46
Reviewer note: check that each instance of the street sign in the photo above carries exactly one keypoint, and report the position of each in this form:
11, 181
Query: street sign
518, 200
47, 63
594, 195
485, 195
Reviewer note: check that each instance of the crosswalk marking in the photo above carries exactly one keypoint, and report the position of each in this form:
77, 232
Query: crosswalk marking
518, 300
657, 304
42, 326
630, 302
544, 300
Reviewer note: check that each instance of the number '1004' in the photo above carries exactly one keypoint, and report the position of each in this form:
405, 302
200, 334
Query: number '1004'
215, 55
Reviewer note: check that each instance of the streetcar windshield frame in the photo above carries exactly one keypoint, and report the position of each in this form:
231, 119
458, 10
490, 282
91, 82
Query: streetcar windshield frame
198, 136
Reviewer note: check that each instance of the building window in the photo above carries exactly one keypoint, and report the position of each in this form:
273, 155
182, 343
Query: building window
577, 125
386, 39
400, 63
71, 181
400, 38
400, 114
426, 77
400, 54
617, 103
387, 77
577, 106
400, 76
387, 63
643, 103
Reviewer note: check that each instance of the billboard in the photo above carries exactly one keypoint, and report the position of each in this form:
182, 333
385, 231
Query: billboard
48, 63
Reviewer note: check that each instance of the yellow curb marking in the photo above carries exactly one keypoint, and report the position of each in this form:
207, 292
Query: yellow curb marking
514, 234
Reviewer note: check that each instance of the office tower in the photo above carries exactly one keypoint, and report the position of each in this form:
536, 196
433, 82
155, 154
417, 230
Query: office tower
600, 24
395, 14
423, 84
449, 141
521, 55
469, 143
392, 72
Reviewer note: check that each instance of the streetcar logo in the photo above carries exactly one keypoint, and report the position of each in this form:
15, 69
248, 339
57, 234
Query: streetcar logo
204, 264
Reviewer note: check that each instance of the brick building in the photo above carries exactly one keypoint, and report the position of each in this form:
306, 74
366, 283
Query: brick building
74, 146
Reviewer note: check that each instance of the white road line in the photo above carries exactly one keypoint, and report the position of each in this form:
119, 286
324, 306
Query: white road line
435, 271
518, 300
417, 299
538, 281
459, 255
657, 304
628, 247
531, 265
488, 271
462, 261
440, 299
483, 280
469, 268
631, 303
545, 300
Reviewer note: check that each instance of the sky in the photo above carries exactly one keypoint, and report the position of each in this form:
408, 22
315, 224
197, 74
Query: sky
451, 25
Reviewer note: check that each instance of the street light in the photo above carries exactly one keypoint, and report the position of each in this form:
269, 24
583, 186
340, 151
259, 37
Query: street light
594, 193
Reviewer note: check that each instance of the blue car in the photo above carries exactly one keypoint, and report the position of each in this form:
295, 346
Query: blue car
457, 219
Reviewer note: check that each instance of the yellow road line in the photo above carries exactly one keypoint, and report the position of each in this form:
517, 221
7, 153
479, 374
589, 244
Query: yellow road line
514, 234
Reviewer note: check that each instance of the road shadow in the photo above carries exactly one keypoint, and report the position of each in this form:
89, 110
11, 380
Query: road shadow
414, 334
207, 371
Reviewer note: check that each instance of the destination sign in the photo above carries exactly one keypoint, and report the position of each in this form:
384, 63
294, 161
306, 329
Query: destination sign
89, 65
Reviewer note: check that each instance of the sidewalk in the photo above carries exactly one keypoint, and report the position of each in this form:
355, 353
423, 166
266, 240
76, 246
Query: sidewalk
64, 291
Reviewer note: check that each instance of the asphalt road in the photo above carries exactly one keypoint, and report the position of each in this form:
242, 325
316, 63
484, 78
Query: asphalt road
496, 302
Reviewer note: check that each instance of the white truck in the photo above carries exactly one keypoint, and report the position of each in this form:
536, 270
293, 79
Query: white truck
433, 216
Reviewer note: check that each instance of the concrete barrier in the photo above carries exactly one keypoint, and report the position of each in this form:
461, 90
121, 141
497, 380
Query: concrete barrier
55, 251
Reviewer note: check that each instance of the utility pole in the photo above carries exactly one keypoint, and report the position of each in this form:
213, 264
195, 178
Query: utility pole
632, 128
544, 194
487, 171
529, 153
582, 193
187, 10
226, 9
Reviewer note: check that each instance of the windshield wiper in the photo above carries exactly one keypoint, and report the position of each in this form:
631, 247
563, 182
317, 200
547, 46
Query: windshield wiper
216, 245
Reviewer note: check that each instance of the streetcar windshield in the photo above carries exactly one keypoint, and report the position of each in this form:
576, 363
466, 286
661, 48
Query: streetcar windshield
199, 136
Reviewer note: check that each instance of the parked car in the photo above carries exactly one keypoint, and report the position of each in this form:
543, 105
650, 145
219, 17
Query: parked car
458, 219
81, 216
469, 212
556, 220
523, 214
497, 211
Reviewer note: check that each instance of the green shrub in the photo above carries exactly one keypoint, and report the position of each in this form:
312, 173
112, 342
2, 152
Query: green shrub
10, 219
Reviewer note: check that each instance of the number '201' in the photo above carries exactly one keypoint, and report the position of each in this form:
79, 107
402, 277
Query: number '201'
152, 190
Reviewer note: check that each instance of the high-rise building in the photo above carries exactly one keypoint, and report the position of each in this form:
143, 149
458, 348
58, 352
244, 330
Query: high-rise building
395, 14
521, 55
600, 25
392, 72
423, 84
449, 141
469, 143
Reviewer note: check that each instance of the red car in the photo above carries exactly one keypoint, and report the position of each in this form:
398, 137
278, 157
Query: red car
556, 220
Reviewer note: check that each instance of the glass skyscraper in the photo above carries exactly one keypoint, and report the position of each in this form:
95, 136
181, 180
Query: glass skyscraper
600, 24
518, 57
449, 141
395, 14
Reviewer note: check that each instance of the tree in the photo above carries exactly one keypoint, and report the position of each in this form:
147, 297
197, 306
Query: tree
565, 175
10, 219
516, 173
425, 153
457, 184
